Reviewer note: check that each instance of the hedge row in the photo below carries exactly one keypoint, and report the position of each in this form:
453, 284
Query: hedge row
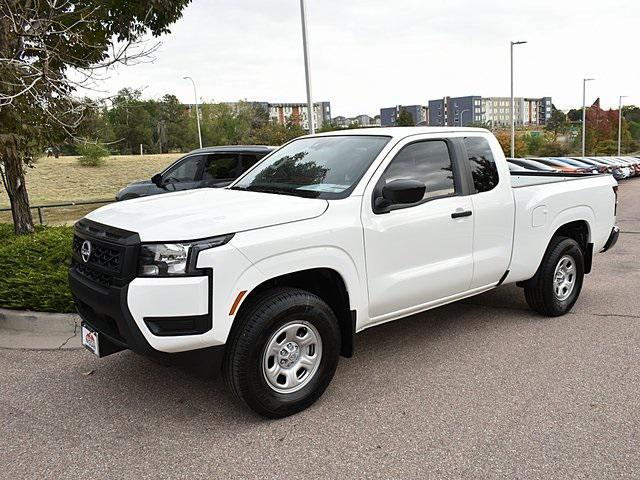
33, 269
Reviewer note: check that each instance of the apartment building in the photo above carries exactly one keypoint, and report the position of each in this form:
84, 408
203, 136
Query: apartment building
389, 116
490, 111
359, 120
298, 113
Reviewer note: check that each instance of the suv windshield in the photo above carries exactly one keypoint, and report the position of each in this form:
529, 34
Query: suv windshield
317, 167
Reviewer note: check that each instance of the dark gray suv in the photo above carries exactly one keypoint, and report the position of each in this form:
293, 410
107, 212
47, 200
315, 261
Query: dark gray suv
214, 167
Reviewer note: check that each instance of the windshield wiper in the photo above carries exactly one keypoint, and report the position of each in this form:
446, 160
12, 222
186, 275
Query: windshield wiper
277, 190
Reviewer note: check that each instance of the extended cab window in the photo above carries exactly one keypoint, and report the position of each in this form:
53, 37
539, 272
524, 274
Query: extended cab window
186, 170
428, 162
483, 166
222, 166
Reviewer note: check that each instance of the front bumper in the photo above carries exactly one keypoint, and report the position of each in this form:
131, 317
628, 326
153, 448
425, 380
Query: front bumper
612, 240
152, 325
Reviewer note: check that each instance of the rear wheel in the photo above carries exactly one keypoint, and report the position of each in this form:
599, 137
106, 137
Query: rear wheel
557, 284
283, 352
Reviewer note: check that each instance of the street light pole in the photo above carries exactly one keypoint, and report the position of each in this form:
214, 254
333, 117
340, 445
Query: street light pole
461, 113
307, 73
620, 123
513, 108
195, 94
584, 114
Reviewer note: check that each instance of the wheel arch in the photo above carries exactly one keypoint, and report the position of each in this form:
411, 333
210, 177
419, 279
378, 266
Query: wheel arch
325, 282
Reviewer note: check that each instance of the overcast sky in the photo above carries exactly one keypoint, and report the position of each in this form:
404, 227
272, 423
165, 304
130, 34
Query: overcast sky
367, 54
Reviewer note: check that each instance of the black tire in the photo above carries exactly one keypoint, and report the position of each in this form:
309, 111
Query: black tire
256, 324
539, 292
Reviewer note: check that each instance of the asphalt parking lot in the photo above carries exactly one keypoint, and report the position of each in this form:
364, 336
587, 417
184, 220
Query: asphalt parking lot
479, 389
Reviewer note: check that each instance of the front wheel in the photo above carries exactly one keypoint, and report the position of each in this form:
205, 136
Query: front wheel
283, 352
557, 284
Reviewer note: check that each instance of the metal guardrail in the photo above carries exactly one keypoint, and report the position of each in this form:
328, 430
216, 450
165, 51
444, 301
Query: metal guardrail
39, 208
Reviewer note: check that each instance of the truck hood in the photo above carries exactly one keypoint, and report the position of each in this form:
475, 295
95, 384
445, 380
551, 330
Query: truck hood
207, 212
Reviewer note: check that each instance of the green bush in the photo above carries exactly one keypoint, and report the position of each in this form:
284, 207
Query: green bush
92, 154
34, 269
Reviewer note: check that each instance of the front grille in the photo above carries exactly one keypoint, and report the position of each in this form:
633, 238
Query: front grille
113, 254
103, 279
101, 255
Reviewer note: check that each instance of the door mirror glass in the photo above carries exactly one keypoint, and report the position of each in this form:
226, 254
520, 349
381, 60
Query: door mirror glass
400, 192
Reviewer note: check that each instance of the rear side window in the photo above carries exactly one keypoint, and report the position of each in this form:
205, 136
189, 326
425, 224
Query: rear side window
428, 162
250, 159
482, 164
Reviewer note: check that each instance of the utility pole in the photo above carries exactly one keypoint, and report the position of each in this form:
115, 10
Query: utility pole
584, 114
513, 108
620, 123
307, 72
195, 94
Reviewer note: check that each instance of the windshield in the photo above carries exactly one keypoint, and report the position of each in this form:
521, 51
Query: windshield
317, 167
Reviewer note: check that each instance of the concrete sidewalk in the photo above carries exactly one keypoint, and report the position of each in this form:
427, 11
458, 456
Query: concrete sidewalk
39, 330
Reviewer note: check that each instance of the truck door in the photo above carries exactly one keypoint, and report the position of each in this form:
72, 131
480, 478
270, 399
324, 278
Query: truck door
493, 210
419, 253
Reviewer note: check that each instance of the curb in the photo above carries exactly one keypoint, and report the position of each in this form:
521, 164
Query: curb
21, 329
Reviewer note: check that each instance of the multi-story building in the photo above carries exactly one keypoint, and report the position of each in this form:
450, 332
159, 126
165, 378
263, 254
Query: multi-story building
389, 116
298, 113
358, 120
491, 111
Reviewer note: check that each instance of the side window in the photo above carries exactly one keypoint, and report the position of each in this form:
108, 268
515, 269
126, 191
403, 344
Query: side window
221, 167
185, 171
428, 162
250, 159
483, 166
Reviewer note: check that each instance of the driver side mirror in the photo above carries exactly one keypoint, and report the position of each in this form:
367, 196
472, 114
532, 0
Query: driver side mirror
399, 192
157, 180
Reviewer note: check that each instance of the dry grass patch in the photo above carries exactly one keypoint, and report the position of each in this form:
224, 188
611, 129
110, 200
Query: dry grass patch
56, 180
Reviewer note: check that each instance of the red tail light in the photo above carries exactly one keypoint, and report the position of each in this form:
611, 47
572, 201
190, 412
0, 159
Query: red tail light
615, 207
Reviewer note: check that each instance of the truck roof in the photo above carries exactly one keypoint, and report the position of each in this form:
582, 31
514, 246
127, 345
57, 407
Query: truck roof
401, 132
234, 148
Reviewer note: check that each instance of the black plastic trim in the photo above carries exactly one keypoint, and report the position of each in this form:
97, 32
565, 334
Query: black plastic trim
588, 258
348, 330
613, 239
503, 278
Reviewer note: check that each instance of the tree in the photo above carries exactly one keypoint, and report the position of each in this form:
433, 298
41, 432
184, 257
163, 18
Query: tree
504, 137
49, 48
575, 115
557, 123
405, 119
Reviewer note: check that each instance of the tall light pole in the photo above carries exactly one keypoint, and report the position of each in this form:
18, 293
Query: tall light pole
584, 114
307, 73
513, 107
195, 94
620, 123
461, 113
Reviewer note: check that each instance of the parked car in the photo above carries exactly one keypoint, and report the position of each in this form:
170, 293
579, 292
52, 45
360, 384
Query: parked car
581, 166
533, 165
601, 166
562, 166
205, 167
633, 171
271, 278
619, 171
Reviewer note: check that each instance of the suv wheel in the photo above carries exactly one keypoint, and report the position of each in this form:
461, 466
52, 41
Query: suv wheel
557, 284
283, 352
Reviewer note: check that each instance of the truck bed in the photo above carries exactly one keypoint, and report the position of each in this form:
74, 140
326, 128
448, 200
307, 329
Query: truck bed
526, 179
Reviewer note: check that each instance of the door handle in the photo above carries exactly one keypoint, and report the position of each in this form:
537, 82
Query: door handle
461, 213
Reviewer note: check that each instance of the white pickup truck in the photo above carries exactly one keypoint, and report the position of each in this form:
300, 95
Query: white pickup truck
270, 279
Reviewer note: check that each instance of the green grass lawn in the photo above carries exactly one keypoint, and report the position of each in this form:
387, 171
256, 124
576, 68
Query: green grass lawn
58, 180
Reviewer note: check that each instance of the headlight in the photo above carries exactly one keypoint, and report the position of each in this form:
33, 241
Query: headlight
171, 259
